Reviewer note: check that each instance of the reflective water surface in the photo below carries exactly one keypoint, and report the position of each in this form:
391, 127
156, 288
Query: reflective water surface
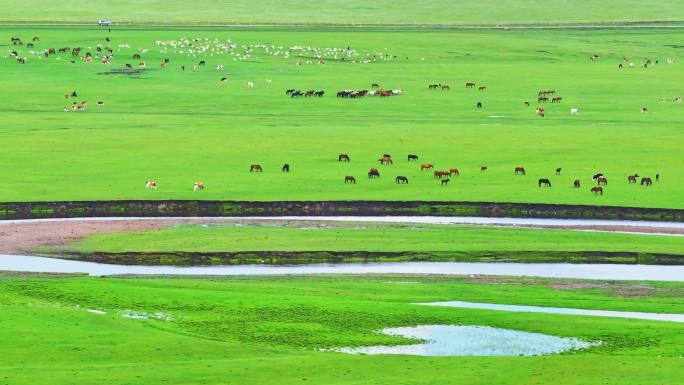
452, 340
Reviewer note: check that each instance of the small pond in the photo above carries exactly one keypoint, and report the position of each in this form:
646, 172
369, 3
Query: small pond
453, 340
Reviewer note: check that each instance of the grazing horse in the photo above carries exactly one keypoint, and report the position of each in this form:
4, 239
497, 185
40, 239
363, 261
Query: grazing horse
574, 111
470, 85
544, 182
576, 183
202, 63
657, 177
631, 179
481, 88
556, 100
539, 111
602, 180
151, 184
343, 157
129, 66
644, 110
454, 171
198, 186
519, 171
434, 86
597, 175
446, 88
386, 160
542, 99
401, 179
558, 171
255, 168
445, 182
646, 181
286, 167
597, 190
373, 173
479, 104
290, 91
441, 174
412, 158
319, 93
426, 166
349, 179
483, 168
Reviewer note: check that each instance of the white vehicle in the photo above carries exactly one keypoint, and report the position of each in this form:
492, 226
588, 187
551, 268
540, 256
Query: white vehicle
104, 23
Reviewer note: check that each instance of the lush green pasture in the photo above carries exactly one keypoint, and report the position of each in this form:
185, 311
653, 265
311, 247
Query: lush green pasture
179, 127
370, 237
255, 330
343, 12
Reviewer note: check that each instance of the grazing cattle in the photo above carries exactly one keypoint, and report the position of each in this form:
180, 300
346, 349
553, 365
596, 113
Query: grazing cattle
483, 168
646, 181
644, 110
446, 88
539, 111
343, 157
198, 186
441, 174
285, 168
597, 190
386, 160
482, 88
544, 182
350, 179
412, 157
602, 180
255, 168
558, 171
454, 171
519, 171
401, 179
151, 184
574, 111
373, 173
576, 183
631, 179
445, 182
426, 166
470, 85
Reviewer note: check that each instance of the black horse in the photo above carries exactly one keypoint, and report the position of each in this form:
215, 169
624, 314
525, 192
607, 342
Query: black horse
412, 158
401, 179
544, 182
286, 167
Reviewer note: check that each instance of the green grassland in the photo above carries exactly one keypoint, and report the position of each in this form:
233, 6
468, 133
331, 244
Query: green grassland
255, 330
299, 236
437, 12
179, 127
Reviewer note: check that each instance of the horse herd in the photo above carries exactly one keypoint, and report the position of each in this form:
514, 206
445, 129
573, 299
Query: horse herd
443, 176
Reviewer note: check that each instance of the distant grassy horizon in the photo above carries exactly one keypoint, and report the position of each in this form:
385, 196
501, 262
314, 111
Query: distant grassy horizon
379, 12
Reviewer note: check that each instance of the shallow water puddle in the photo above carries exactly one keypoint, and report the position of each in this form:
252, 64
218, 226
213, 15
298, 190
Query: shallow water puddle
452, 340
560, 310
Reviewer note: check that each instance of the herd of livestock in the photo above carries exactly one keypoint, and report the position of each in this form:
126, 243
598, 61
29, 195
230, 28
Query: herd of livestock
443, 176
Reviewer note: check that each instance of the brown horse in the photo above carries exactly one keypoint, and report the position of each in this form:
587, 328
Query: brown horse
576, 183
445, 182
343, 157
519, 171
483, 168
454, 171
558, 171
482, 88
373, 173
631, 179
597, 190
646, 181
446, 88
349, 179
151, 184
426, 166
198, 186
386, 160
401, 179
440, 174
255, 168
544, 182
556, 100
470, 85
602, 181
